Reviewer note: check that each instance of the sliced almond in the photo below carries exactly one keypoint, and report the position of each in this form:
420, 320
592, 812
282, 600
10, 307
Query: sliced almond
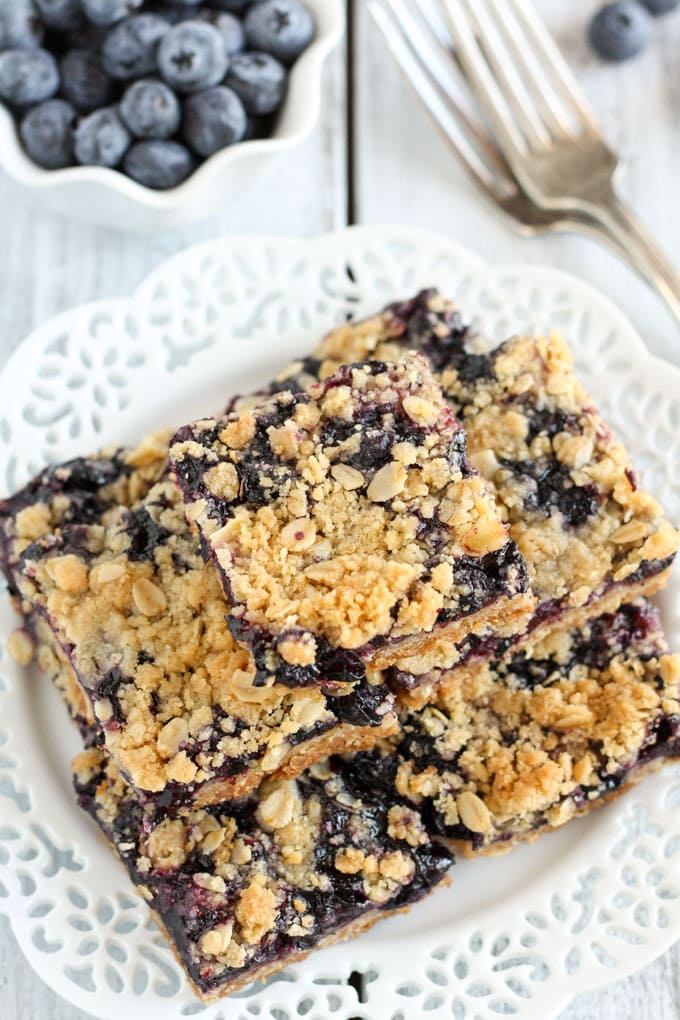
171, 737
299, 534
387, 483
148, 598
634, 531
350, 478
216, 941
105, 573
276, 810
474, 814
420, 410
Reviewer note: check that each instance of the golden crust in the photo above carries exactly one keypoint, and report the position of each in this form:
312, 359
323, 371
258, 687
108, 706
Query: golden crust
159, 621
520, 744
336, 554
503, 618
497, 849
445, 681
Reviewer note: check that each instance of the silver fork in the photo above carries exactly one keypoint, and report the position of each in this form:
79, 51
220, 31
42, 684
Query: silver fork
421, 46
545, 129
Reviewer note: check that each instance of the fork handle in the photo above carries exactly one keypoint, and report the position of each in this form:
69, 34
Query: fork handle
635, 244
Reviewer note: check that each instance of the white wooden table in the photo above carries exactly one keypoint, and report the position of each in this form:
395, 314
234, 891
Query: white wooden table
401, 172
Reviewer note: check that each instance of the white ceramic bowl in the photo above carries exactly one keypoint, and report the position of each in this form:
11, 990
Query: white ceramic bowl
110, 198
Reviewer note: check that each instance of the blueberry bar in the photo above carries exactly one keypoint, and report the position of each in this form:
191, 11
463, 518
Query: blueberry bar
529, 743
141, 618
347, 525
590, 535
81, 491
243, 889
34, 642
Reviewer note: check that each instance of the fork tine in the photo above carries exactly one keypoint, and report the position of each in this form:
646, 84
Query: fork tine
548, 56
439, 64
499, 59
442, 109
532, 68
484, 84
432, 16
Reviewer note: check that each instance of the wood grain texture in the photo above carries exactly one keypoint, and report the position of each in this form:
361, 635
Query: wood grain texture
405, 174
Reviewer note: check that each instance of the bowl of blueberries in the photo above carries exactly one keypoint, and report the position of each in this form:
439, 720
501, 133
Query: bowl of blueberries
147, 115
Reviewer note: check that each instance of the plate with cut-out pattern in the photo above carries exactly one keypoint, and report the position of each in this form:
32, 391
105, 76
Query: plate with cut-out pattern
516, 935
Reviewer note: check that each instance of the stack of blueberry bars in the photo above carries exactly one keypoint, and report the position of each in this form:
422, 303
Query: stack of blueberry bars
390, 607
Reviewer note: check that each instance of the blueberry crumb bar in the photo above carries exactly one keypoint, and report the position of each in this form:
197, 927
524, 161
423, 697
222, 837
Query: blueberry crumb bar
527, 744
81, 491
245, 888
141, 619
347, 525
590, 535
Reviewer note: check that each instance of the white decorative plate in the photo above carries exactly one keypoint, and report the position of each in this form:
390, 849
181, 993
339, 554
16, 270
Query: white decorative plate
517, 935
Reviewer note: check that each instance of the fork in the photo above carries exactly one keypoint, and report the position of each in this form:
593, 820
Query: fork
545, 129
421, 48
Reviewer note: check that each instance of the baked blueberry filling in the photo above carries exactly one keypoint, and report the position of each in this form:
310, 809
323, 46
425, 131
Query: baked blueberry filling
236, 890
529, 740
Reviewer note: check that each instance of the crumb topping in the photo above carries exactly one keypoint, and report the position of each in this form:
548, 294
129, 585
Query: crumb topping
565, 487
143, 618
528, 741
347, 511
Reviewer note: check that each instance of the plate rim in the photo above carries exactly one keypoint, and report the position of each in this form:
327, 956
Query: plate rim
356, 236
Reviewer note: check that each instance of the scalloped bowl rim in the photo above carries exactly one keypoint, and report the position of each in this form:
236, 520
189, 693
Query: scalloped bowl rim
19, 166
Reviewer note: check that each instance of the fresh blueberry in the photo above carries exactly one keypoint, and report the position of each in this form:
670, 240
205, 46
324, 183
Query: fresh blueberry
84, 36
191, 56
28, 76
158, 164
60, 15
229, 27
108, 12
234, 6
47, 133
283, 28
19, 24
259, 81
83, 82
129, 50
101, 139
620, 30
213, 120
150, 109
657, 7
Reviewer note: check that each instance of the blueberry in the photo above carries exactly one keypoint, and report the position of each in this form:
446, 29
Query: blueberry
47, 133
657, 7
150, 109
83, 82
620, 30
108, 12
61, 15
213, 120
101, 139
235, 6
28, 76
191, 56
129, 50
283, 28
229, 27
158, 164
259, 81
19, 24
